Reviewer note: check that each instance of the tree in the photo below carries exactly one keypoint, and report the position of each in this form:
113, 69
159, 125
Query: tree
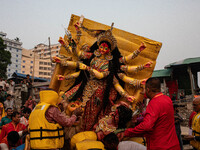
5, 59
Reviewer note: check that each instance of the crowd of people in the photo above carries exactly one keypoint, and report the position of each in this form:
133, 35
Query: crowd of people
12, 119
159, 122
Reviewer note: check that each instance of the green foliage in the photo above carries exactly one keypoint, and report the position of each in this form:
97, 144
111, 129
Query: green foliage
5, 59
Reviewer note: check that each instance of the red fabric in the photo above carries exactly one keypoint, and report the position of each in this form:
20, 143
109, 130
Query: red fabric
173, 87
10, 127
158, 125
191, 117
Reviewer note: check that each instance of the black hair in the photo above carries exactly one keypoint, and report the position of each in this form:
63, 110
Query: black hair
27, 110
153, 84
125, 115
22, 107
8, 108
111, 141
175, 106
13, 137
8, 95
14, 114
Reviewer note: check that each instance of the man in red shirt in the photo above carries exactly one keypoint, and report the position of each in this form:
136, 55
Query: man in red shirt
158, 123
14, 125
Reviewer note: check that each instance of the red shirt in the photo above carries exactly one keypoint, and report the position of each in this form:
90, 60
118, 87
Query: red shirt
10, 127
191, 118
158, 125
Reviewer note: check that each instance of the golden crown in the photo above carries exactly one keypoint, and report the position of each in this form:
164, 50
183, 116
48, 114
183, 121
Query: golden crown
108, 37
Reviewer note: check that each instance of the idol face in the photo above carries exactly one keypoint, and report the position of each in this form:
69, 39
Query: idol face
104, 48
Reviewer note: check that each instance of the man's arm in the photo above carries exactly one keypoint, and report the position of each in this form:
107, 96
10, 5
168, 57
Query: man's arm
145, 126
54, 114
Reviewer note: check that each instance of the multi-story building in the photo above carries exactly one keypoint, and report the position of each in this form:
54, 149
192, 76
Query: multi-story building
15, 48
27, 62
37, 61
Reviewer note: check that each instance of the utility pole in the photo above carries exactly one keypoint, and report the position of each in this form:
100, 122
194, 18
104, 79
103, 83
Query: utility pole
50, 55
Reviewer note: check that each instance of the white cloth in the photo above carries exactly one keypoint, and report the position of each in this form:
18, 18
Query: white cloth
24, 121
24, 88
11, 88
3, 146
9, 104
130, 145
2, 83
190, 131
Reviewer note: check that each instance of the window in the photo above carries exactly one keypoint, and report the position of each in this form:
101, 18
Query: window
23, 66
8, 69
41, 68
41, 63
17, 50
10, 48
40, 73
16, 60
23, 71
24, 61
8, 75
30, 54
49, 73
16, 55
16, 65
31, 67
16, 71
45, 63
31, 72
45, 68
31, 61
49, 68
45, 73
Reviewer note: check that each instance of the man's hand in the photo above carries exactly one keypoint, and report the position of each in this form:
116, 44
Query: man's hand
189, 137
78, 111
25, 131
120, 136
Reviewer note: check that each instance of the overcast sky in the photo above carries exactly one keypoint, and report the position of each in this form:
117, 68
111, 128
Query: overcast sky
175, 23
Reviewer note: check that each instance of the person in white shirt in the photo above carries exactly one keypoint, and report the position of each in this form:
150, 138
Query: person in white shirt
25, 117
11, 87
9, 102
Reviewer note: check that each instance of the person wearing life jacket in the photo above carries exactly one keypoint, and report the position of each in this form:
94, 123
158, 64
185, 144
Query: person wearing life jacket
46, 122
195, 137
